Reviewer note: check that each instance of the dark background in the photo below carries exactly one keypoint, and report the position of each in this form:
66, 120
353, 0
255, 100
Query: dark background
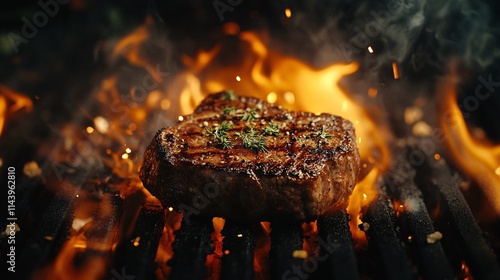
69, 56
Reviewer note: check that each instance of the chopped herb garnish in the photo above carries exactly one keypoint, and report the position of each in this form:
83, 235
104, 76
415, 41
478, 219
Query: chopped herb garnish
252, 139
229, 110
322, 134
219, 134
229, 95
250, 116
272, 129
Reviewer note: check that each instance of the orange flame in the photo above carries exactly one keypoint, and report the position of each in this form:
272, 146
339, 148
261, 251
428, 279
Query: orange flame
11, 102
255, 70
479, 160
261, 72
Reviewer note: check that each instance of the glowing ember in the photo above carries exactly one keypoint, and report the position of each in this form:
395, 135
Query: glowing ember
288, 13
370, 49
31, 169
79, 223
101, 124
372, 92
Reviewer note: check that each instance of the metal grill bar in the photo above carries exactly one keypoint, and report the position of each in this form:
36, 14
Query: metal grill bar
285, 239
49, 234
479, 256
431, 258
136, 256
385, 242
191, 246
238, 248
335, 241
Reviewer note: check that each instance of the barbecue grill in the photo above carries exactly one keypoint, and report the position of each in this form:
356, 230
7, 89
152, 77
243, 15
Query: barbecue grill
94, 221
400, 243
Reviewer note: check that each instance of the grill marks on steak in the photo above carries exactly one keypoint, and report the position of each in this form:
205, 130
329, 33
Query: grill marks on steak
308, 169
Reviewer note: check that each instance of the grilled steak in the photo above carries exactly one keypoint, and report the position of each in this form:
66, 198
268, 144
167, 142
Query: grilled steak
243, 158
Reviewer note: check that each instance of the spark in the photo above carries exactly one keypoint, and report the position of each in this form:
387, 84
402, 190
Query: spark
365, 196
359, 140
181, 118
272, 97
108, 151
288, 13
170, 209
372, 92
125, 156
299, 254
101, 124
31, 169
395, 70
128, 150
136, 241
238, 78
77, 195
90, 129
437, 156
370, 49
240, 235
231, 28
289, 97
165, 104
226, 252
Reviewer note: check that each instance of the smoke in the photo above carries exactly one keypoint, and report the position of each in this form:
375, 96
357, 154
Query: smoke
416, 32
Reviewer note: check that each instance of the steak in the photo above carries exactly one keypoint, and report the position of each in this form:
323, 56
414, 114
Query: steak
242, 158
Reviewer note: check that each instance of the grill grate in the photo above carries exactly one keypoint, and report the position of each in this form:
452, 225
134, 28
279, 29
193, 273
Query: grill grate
238, 248
389, 253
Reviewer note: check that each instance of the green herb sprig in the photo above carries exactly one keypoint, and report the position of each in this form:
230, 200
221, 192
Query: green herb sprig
250, 116
272, 129
219, 134
229, 110
229, 95
322, 134
252, 139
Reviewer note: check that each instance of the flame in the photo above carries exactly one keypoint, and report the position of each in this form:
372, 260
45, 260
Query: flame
131, 45
267, 74
118, 131
10, 103
478, 159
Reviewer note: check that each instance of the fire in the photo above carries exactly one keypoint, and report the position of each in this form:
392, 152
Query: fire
119, 131
480, 160
267, 74
10, 103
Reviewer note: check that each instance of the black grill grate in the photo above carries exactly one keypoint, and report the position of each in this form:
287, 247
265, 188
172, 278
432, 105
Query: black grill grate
397, 248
